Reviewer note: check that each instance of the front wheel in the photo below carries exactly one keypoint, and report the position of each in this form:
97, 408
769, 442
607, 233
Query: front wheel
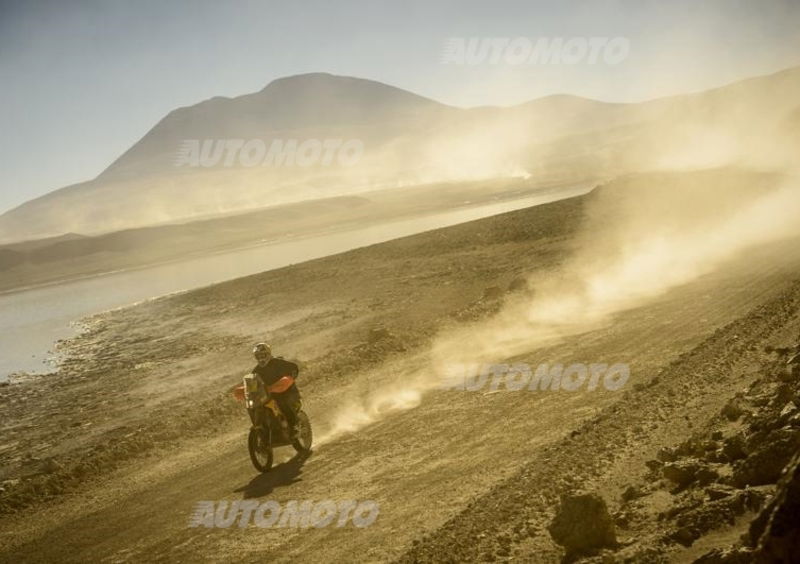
303, 441
259, 443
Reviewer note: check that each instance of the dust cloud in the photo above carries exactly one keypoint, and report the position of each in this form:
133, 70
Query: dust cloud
687, 212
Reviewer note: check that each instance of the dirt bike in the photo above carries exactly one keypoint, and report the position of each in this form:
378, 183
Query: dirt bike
269, 426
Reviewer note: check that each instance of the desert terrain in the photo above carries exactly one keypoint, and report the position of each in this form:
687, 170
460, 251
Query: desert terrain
106, 458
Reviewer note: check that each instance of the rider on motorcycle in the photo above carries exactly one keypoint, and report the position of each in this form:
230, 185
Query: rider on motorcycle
278, 376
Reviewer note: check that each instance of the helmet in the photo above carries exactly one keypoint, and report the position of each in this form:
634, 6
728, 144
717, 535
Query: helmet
262, 351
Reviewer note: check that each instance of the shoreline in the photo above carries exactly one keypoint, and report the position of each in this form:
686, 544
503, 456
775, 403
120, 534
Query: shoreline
319, 232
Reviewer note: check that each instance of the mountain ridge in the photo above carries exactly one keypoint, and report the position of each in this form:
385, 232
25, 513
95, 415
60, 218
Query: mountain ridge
408, 139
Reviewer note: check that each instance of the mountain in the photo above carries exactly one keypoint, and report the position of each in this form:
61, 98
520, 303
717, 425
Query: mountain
288, 107
405, 139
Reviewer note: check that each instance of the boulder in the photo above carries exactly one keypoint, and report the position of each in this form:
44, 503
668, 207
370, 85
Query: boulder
583, 524
681, 473
764, 465
734, 448
777, 529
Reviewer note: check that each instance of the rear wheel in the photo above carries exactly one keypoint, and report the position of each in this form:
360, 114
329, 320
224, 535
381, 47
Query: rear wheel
259, 444
305, 437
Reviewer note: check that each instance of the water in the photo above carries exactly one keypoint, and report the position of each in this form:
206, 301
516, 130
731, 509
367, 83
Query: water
32, 320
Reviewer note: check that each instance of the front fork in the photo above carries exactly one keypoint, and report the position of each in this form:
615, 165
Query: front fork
256, 416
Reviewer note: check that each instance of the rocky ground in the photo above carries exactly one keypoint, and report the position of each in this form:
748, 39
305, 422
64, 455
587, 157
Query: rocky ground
721, 423
105, 459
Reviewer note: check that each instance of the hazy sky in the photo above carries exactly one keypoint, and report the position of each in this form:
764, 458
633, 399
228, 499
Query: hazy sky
81, 81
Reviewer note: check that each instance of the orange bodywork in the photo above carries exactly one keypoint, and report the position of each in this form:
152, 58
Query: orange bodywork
281, 385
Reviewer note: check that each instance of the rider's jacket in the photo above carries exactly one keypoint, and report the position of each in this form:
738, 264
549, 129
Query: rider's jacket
276, 369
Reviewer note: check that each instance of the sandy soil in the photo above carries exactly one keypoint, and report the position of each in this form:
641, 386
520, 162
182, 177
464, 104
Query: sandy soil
106, 459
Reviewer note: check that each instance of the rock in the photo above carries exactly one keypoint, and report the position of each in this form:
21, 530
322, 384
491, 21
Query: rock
786, 374
700, 518
718, 491
681, 473
726, 556
685, 536
783, 395
733, 410
666, 454
789, 410
705, 475
582, 524
694, 447
764, 466
631, 493
654, 465
777, 528
622, 519
734, 448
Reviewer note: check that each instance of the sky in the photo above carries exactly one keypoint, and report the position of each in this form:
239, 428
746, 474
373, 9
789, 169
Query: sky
81, 81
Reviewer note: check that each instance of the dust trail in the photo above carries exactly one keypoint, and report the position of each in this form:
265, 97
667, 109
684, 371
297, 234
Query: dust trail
661, 239
354, 415
641, 237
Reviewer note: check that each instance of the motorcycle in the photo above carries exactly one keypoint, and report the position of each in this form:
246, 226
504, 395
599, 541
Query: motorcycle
270, 428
